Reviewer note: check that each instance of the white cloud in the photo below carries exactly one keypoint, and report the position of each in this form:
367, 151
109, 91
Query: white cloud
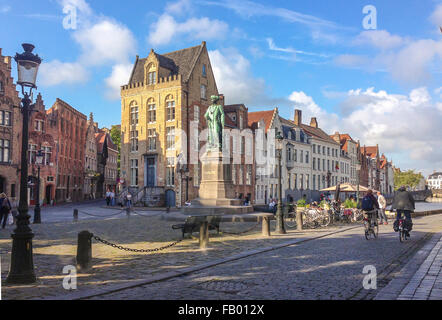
55, 72
120, 76
104, 42
81, 5
381, 39
403, 125
166, 28
180, 7
5, 9
436, 16
234, 78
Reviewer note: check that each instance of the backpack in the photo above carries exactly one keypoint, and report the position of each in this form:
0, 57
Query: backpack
367, 203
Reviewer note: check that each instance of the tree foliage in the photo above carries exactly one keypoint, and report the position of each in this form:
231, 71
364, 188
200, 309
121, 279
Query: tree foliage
115, 134
407, 178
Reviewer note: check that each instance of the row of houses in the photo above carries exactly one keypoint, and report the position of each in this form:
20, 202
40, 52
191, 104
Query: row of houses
163, 135
79, 159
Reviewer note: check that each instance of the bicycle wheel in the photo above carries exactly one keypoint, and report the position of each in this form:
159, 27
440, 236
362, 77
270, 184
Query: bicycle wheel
290, 220
325, 219
366, 230
401, 236
376, 230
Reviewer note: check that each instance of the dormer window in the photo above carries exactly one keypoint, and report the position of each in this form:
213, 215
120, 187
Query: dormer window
151, 74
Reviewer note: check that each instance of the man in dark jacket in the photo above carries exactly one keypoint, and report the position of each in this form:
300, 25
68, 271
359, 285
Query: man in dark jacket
404, 203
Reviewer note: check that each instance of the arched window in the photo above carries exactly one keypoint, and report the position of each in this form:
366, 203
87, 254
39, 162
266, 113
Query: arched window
133, 113
151, 74
170, 108
151, 111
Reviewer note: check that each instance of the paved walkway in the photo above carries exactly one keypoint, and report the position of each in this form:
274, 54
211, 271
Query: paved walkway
420, 278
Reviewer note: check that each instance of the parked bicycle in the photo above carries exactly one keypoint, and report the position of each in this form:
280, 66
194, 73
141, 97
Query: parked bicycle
316, 217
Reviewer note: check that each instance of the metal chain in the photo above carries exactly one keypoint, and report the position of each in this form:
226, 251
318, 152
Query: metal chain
135, 250
242, 232
145, 215
100, 216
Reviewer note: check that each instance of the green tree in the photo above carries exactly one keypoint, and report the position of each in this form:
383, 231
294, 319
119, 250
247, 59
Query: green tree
115, 134
407, 178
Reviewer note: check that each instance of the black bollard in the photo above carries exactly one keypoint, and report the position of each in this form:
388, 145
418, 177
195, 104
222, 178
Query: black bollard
75, 215
204, 234
84, 251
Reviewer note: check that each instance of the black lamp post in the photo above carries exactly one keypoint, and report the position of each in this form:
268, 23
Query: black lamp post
22, 265
358, 172
280, 227
38, 161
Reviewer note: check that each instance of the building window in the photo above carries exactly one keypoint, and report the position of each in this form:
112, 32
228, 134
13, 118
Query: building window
249, 175
196, 111
170, 172
301, 180
196, 175
204, 72
170, 109
234, 174
151, 78
314, 182
134, 141
295, 156
47, 152
133, 114
2, 88
170, 135
241, 175
32, 152
134, 172
151, 139
5, 118
39, 125
302, 156
4, 150
12, 190
307, 157
203, 91
151, 111
314, 148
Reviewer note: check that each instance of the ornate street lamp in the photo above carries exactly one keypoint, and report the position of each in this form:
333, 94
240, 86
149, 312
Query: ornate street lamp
280, 227
22, 265
38, 161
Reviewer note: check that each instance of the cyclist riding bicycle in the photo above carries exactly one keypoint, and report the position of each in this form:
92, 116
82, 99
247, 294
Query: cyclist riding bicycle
369, 205
403, 203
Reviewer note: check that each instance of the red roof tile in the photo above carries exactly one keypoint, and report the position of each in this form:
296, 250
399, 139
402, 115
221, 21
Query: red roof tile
255, 117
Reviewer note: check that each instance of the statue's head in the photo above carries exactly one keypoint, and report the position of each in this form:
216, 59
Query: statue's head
214, 99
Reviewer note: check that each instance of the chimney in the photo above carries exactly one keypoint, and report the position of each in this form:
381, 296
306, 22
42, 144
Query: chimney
298, 117
314, 122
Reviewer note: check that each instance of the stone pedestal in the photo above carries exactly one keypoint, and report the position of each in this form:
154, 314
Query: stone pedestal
216, 192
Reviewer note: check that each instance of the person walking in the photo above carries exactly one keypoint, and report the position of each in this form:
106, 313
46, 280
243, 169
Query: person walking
112, 196
403, 203
129, 200
108, 197
5, 208
382, 205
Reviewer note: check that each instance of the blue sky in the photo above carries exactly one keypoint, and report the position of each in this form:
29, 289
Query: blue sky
381, 85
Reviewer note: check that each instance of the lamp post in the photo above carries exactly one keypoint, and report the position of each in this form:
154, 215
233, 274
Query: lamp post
22, 265
358, 170
280, 227
38, 161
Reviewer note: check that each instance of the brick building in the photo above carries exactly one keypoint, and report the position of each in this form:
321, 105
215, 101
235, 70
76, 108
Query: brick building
10, 130
107, 155
42, 136
166, 93
91, 174
71, 139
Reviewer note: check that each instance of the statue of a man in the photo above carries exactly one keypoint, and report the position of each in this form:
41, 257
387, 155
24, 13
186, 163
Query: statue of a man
215, 121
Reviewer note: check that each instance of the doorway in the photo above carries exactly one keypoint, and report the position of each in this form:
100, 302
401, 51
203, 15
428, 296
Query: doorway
170, 199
